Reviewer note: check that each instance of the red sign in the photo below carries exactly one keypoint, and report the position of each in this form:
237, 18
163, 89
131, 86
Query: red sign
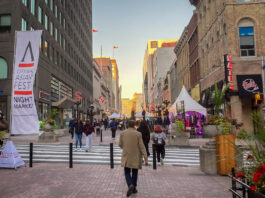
78, 96
102, 100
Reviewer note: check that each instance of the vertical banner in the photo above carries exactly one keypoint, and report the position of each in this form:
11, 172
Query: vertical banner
24, 113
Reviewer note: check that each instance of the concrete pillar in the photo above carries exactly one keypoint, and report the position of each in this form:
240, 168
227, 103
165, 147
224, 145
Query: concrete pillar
208, 158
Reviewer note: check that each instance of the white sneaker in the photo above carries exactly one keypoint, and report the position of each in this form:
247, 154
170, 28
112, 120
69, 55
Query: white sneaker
80, 149
162, 162
75, 149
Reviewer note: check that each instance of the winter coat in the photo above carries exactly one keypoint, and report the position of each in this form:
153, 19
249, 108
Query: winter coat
113, 125
133, 149
79, 128
158, 135
145, 133
88, 129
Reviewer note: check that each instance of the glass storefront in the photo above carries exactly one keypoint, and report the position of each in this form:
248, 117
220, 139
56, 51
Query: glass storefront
3, 106
43, 111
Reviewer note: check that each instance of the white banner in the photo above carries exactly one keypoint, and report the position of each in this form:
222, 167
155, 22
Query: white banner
24, 114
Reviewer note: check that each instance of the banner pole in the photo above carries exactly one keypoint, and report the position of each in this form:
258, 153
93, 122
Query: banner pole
11, 101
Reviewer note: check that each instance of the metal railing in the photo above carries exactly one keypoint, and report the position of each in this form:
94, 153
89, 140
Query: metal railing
242, 189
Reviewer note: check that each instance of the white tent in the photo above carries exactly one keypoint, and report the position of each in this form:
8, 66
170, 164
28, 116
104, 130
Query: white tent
147, 115
115, 115
189, 103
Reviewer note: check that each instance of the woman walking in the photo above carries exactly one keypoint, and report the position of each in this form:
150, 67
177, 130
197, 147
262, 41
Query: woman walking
144, 129
159, 139
88, 130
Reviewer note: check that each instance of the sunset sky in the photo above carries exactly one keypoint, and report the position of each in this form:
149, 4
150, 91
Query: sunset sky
129, 24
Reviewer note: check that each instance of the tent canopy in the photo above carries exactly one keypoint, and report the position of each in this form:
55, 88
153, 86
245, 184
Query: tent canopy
147, 115
189, 103
115, 115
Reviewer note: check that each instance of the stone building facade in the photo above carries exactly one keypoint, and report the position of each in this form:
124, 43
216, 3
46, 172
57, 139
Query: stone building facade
237, 28
182, 53
65, 62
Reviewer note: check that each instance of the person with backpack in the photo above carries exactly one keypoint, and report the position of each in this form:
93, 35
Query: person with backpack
159, 140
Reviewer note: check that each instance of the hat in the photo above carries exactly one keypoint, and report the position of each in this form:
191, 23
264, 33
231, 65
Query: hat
158, 128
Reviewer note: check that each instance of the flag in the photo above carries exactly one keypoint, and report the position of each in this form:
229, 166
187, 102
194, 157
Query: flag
115, 47
94, 30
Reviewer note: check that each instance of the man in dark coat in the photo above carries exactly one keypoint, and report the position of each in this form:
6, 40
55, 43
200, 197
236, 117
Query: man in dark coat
144, 129
71, 127
113, 126
78, 133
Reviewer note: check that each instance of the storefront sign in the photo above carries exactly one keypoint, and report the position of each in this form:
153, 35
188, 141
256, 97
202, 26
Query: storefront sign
24, 113
248, 85
1, 91
44, 96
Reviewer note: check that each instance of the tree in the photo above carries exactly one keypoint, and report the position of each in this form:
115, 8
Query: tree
217, 98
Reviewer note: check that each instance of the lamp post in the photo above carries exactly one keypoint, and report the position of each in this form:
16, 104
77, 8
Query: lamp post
77, 109
90, 112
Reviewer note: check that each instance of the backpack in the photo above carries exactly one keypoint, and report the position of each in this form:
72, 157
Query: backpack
158, 140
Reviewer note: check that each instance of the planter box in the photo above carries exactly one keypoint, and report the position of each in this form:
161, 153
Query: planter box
210, 131
254, 194
225, 153
47, 137
177, 139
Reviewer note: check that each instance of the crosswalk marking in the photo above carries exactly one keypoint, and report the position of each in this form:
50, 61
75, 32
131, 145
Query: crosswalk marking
100, 154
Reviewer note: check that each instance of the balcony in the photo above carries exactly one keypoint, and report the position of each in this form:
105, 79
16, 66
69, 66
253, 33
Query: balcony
194, 2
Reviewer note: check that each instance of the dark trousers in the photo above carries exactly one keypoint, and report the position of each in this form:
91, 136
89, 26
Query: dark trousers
160, 151
71, 131
113, 131
131, 178
146, 148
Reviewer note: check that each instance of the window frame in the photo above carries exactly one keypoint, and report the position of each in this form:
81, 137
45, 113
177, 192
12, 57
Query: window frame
5, 61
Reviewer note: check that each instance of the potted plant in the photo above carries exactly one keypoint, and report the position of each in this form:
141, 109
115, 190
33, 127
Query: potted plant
254, 173
225, 148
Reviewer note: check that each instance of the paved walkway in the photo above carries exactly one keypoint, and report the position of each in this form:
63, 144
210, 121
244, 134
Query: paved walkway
99, 181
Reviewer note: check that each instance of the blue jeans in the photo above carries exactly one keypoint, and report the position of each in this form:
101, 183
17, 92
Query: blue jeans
78, 137
131, 179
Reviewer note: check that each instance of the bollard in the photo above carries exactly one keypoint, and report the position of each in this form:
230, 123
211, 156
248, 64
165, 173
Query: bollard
154, 156
70, 155
233, 182
100, 135
30, 154
111, 156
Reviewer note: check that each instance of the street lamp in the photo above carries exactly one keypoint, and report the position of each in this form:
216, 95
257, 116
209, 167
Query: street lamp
77, 109
90, 112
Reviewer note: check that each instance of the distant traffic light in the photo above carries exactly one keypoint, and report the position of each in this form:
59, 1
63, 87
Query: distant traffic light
258, 98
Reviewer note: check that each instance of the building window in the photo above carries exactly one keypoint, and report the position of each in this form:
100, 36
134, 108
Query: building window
3, 68
56, 34
46, 22
25, 2
51, 28
56, 11
5, 23
40, 14
46, 48
246, 37
243, 0
51, 5
23, 25
32, 6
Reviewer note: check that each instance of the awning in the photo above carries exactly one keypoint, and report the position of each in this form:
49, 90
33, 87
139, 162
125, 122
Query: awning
64, 103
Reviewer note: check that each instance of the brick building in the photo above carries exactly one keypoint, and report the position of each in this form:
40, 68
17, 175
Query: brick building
237, 28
